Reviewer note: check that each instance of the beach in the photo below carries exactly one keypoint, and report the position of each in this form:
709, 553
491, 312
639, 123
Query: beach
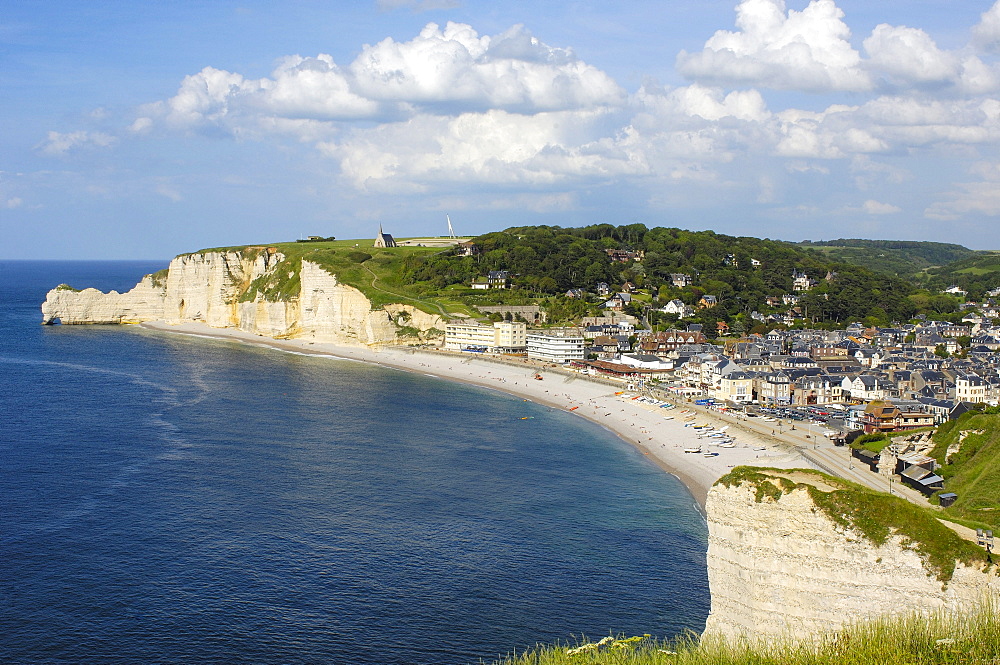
661, 434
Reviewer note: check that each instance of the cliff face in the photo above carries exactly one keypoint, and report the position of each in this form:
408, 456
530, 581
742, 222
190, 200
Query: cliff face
781, 566
215, 288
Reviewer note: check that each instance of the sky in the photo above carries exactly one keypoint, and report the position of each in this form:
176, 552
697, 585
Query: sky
143, 130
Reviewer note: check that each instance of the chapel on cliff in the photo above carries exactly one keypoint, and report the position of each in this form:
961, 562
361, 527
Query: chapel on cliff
384, 239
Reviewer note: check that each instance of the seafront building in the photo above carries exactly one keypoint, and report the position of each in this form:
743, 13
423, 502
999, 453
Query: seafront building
556, 346
500, 337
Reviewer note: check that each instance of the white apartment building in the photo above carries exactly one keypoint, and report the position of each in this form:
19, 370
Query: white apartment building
971, 388
501, 337
555, 346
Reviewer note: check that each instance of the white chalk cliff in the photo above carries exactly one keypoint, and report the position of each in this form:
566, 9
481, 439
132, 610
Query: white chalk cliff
216, 288
782, 567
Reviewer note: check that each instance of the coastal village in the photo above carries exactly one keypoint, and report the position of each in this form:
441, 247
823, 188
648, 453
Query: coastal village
840, 384
736, 415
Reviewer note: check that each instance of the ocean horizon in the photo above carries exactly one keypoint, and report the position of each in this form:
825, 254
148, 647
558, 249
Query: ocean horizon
171, 499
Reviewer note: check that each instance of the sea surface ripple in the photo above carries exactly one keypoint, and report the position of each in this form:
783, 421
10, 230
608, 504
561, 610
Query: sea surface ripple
172, 500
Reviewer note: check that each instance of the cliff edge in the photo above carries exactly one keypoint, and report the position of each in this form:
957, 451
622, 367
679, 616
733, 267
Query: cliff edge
797, 553
256, 289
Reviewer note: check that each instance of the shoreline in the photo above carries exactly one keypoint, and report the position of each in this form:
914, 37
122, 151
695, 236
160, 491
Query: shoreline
660, 434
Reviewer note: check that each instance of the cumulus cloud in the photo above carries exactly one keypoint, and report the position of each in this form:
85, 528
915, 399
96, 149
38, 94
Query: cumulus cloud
986, 33
13, 202
441, 71
810, 51
776, 48
57, 143
495, 147
909, 54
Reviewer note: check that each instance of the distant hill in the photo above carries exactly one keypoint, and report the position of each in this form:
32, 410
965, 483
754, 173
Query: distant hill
902, 258
976, 274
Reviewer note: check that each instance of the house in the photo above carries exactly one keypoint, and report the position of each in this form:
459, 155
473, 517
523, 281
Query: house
880, 416
602, 289
955, 290
867, 388
384, 239
675, 306
498, 279
707, 302
468, 248
816, 389
736, 387
625, 255
774, 388
971, 388
681, 280
618, 301
576, 293
801, 281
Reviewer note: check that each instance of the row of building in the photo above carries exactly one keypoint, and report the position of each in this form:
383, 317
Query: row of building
898, 368
558, 346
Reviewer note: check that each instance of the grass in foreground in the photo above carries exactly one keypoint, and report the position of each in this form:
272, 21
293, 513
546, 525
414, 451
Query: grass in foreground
940, 638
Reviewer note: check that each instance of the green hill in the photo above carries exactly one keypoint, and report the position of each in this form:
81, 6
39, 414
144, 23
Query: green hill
748, 277
976, 274
902, 258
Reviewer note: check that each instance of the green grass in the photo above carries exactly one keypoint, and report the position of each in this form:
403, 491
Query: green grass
980, 270
974, 472
159, 278
876, 516
940, 638
373, 271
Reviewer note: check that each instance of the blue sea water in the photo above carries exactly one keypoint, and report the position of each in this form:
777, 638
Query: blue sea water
166, 499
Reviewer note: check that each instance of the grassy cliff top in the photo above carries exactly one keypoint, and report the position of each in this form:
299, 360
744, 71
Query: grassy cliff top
374, 271
874, 515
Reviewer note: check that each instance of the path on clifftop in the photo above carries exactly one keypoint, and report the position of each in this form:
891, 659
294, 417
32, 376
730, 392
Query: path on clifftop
435, 305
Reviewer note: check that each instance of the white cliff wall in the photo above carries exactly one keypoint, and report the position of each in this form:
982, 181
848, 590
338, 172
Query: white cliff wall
783, 567
142, 303
208, 288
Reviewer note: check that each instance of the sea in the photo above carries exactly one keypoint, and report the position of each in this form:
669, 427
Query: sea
169, 499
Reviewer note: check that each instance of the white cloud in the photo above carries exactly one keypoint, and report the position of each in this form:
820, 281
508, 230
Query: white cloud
14, 202
446, 71
141, 125
495, 147
978, 198
796, 50
57, 143
986, 33
455, 68
873, 207
910, 55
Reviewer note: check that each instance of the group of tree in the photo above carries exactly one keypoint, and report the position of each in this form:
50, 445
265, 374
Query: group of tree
741, 272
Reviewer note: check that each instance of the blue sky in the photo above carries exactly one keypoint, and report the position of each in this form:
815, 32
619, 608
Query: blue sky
134, 130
